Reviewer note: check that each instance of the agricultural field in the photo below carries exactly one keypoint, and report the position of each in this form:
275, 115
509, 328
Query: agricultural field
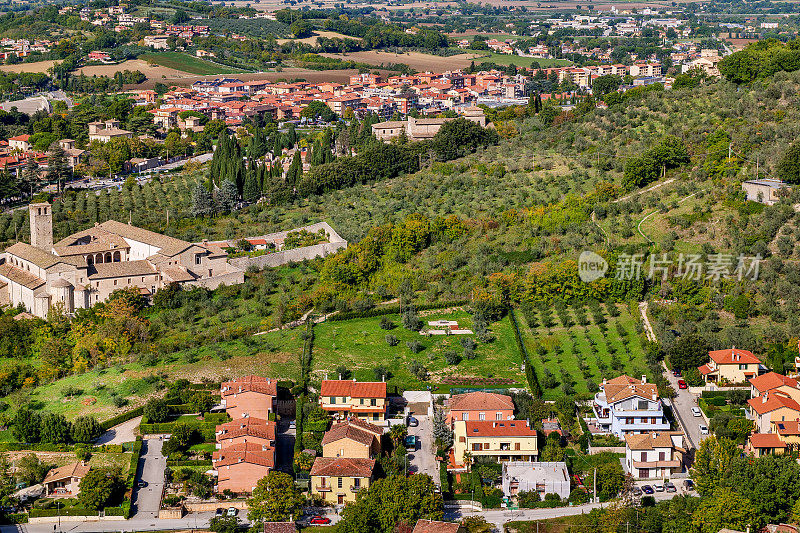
522, 62
37, 66
318, 33
416, 60
151, 70
186, 63
574, 349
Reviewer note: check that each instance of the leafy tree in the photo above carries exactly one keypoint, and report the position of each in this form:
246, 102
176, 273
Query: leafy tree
275, 499
224, 524
459, 137
723, 509
201, 402
318, 109
202, 202
252, 189
712, 462
441, 431
86, 429
771, 483
528, 499
789, 166
689, 351
606, 84
227, 196
156, 410
31, 470
610, 480
100, 488
57, 166
26, 425
476, 524
393, 501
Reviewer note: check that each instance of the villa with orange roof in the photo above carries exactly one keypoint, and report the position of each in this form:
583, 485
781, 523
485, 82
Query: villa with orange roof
509, 440
246, 430
479, 406
774, 382
730, 366
629, 405
772, 407
365, 400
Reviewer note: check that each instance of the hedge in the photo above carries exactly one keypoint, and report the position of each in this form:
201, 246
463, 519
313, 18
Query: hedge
530, 372
15, 518
133, 468
393, 310
189, 463
40, 447
123, 417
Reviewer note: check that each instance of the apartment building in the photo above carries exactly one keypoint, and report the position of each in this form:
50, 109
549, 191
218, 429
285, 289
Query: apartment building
337, 479
654, 454
774, 382
250, 396
629, 405
246, 430
772, 407
239, 467
509, 440
344, 398
479, 406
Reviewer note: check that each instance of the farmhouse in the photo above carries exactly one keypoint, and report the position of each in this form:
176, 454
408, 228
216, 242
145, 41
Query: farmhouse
66, 480
86, 267
730, 366
422, 128
343, 398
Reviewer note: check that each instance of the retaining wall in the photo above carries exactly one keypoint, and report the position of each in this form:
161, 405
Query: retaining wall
55, 519
204, 507
334, 244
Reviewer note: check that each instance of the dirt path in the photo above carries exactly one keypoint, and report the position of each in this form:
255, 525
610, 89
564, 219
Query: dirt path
648, 329
125, 432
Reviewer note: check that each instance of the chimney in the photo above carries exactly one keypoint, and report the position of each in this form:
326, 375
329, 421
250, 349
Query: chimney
764, 397
644, 378
654, 435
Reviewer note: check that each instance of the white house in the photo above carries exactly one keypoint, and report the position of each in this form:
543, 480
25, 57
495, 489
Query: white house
654, 455
629, 405
542, 477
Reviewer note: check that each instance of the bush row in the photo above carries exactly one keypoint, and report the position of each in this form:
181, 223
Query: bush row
394, 310
122, 417
530, 372
189, 463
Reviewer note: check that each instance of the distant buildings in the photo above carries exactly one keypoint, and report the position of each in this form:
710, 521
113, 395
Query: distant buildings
107, 130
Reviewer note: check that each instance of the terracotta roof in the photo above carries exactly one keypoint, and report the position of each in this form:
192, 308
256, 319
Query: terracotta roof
624, 387
244, 453
279, 527
772, 380
250, 384
506, 428
769, 402
432, 526
78, 470
342, 467
766, 440
177, 274
787, 427
366, 426
650, 440
733, 356
251, 427
122, 269
704, 369
480, 401
33, 255
21, 277
169, 246
353, 389
345, 430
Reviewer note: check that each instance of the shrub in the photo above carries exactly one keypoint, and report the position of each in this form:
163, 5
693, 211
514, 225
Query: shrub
418, 370
391, 340
386, 323
452, 357
415, 346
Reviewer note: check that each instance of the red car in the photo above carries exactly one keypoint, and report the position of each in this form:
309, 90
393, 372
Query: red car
319, 521
682, 384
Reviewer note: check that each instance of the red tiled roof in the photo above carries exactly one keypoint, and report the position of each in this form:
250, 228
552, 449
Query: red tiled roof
766, 440
345, 430
771, 401
247, 452
258, 384
475, 401
432, 526
506, 428
342, 467
252, 427
788, 427
733, 356
704, 369
772, 380
280, 527
24, 137
353, 389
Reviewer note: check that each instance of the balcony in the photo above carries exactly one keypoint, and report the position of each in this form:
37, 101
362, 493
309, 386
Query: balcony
355, 489
323, 488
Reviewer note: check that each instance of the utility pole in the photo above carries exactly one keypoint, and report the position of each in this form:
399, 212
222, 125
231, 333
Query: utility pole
594, 485
729, 149
756, 166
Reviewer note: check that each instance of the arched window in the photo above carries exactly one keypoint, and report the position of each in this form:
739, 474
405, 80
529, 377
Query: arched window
98, 258
116, 257
108, 257
90, 260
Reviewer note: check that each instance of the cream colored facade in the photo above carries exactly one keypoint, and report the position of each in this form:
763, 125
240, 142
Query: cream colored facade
338, 490
510, 440
364, 400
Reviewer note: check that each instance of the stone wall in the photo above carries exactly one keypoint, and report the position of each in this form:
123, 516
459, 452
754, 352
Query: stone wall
90, 518
235, 277
204, 507
334, 244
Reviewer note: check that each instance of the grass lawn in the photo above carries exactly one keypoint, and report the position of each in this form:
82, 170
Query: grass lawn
205, 447
507, 59
588, 344
360, 345
187, 63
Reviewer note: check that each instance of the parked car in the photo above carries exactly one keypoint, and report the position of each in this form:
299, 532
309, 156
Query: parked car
412, 422
682, 384
219, 513
141, 484
647, 489
659, 487
676, 373
411, 442
292, 425
636, 491
670, 486
696, 411
233, 511
688, 485
703, 429
319, 520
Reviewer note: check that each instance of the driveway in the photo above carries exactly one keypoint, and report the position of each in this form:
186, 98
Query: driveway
423, 459
284, 448
125, 432
682, 405
147, 500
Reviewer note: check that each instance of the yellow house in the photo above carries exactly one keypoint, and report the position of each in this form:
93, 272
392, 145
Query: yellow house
774, 382
509, 440
789, 433
730, 366
343, 399
772, 407
337, 479
761, 444
352, 438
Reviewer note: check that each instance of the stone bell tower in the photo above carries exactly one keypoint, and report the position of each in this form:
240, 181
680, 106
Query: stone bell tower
41, 226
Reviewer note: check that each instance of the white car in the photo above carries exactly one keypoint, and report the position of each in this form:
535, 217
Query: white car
658, 486
696, 411
703, 429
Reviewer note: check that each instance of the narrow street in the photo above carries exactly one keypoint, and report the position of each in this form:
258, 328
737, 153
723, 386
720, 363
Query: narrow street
424, 457
147, 500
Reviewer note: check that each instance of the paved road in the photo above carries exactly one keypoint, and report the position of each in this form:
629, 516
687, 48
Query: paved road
147, 500
423, 460
682, 405
284, 448
125, 432
193, 521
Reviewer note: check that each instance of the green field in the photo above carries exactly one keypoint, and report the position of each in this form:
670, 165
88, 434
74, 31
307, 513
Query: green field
507, 59
187, 63
585, 354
